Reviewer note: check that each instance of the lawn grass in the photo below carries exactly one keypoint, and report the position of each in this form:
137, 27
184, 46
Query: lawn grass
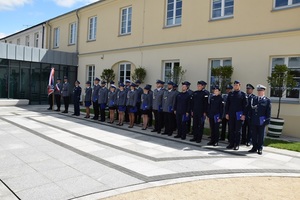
269, 142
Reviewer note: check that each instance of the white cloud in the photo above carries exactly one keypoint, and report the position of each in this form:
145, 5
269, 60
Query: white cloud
12, 4
2, 35
70, 3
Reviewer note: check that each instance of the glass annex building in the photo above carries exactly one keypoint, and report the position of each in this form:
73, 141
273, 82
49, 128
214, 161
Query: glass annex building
24, 71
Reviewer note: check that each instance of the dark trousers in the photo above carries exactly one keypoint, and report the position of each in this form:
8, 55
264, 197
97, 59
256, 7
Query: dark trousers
258, 135
158, 116
150, 118
246, 132
76, 107
126, 116
235, 127
66, 102
198, 127
169, 121
181, 126
102, 113
50, 100
96, 109
174, 122
138, 114
215, 132
58, 102
224, 126
188, 124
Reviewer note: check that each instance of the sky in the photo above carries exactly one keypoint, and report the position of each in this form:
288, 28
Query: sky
16, 15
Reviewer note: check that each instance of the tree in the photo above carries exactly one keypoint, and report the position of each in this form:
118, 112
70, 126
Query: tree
139, 74
222, 76
108, 75
280, 80
177, 75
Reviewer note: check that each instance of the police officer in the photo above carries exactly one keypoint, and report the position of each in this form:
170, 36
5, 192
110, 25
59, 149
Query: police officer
175, 88
121, 103
146, 104
131, 104
139, 91
88, 98
66, 94
182, 111
224, 120
168, 108
111, 101
76, 98
127, 89
190, 92
157, 106
102, 100
236, 108
260, 115
95, 98
246, 129
57, 93
215, 112
199, 103
150, 115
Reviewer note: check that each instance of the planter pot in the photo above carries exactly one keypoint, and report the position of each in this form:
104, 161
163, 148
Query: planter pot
275, 127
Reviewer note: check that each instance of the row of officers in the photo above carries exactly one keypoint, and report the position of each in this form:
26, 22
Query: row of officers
245, 114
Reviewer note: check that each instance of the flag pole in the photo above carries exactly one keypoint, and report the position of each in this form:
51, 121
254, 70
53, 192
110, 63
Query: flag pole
53, 101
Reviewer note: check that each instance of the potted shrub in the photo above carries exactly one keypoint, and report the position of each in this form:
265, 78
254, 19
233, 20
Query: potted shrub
139, 74
222, 76
108, 75
280, 81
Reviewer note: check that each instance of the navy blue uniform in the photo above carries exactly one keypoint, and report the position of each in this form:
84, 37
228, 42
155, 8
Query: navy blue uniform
138, 114
95, 101
182, 107
246, 129
260, 115
224, 120
236, 105
76, 100
215, 112
199, 103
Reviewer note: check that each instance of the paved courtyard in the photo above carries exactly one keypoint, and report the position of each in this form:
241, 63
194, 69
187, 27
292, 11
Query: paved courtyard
50, 155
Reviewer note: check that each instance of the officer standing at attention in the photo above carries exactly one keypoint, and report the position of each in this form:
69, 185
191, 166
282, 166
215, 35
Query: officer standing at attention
146, 104
95, 98
246, 129
182, 111
102, 100
88, 98
199, 103
150, 116
57, 93
66, 94
175, 88
131, 104
76, 98
215, 112
112, 102
127, 89
121, 102
139, 91
157, 106
224, 120
190, 92
260, 115
236, 108
168, 109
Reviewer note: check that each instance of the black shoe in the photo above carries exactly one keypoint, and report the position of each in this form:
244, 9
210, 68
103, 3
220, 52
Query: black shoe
209, 137
193, 140
216, 144
198, 141
222, 139
248, 144
164, 133
252, 150
49, 108
259, 152
177, 136
154, 130
158, 132
236, 148
64, 111
229, 147
183, 138
210, 143
144, 129
73, 114
170, 134
57, 110
244, 143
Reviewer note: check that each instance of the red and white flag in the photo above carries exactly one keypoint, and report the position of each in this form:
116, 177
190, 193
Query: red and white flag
51, 82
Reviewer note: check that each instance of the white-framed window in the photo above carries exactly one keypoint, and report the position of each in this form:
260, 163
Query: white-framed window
293, 63
219, 62
124, 72
222, 8
126, 15
18, 41
90, 73
27, 41
36, 40
169, 71
56, 38
72, 33
286, 3
92, 28
174, 12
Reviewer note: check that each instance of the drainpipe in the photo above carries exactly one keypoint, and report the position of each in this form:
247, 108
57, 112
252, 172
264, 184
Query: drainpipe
43, 36
50, 37
77, 34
